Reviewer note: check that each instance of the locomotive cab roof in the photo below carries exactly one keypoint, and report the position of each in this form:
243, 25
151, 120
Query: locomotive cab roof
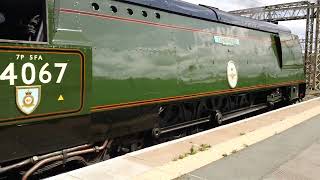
209, 13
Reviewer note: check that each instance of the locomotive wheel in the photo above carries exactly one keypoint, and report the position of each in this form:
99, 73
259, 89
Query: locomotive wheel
171, 114
218, 117
203, 109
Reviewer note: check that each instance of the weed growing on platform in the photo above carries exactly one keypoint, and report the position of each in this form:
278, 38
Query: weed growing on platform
242, 133
204, 147
193, 150
234, 151
181, 156
225, 155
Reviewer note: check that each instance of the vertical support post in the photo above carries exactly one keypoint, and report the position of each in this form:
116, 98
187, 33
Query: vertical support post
309, 46
316, 62
306, 49
316, 53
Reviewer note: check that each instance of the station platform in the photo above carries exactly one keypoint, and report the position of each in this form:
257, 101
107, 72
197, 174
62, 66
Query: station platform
293, 154
281, 144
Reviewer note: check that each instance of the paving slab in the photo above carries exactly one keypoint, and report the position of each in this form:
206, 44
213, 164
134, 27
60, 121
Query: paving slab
305, 165
292, 154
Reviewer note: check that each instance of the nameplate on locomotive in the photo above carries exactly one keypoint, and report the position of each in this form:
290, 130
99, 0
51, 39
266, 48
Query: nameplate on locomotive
228, 41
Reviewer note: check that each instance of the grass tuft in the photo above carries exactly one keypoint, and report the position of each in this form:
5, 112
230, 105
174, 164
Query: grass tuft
193, 150
225, 155
204, 147
242, 133
181, 156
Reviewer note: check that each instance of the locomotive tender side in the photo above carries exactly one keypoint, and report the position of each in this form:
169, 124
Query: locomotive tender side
138, 60
90, 71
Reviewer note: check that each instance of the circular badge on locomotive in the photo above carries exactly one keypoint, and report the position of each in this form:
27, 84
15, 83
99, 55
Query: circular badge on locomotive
232, 74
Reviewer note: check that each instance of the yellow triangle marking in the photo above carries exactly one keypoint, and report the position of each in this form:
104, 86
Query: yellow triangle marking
60, 98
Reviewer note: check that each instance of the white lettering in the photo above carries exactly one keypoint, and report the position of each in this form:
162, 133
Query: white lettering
29, 69
24, 73
8, 74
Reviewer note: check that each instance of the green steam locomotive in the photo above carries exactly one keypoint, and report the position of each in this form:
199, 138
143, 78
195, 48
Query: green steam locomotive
82, 80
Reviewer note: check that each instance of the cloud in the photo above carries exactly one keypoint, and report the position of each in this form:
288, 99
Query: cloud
297, 27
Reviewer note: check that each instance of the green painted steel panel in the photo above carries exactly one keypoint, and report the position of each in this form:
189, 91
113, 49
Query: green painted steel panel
138, 58
70, 87
134, 58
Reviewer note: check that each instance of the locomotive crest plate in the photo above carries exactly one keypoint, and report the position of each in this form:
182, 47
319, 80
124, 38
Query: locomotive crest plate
28, 98
232, 74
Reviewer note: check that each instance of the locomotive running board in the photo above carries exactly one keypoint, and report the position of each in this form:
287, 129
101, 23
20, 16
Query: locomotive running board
158, 131
183, 125
238, 113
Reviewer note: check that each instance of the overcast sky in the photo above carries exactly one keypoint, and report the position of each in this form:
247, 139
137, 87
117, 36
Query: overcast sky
297, 27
